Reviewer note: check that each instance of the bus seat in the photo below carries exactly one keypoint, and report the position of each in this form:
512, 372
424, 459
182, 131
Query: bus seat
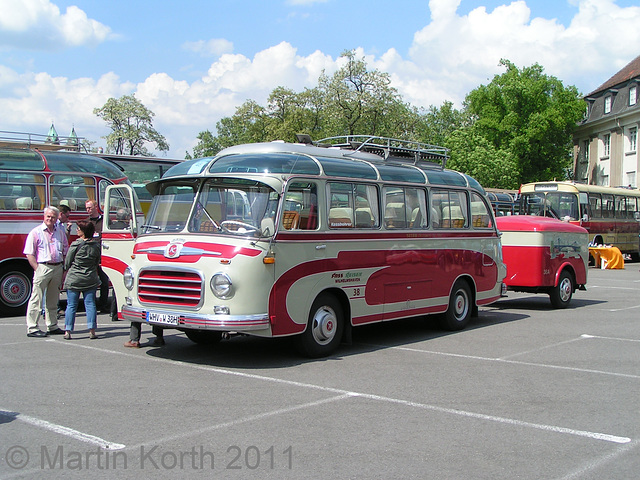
290, 220
70, 202
340, 218
394, 215
453, 214
24, 203
416, 218
364, 219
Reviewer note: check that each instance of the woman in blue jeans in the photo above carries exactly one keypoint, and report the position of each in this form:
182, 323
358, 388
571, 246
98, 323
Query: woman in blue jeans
81, 267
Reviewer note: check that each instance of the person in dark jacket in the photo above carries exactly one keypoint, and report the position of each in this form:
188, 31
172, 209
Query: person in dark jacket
81, 267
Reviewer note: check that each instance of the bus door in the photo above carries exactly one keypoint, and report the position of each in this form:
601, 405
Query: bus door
122, 218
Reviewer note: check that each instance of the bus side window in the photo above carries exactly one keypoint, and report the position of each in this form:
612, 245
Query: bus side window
480, 217
300, 207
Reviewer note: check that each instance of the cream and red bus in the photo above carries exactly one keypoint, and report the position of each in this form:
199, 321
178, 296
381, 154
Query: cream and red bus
609, 214
33, 175
306, 240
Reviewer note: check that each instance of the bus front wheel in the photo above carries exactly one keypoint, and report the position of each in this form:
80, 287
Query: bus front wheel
459, 312
15, 288
324, 328
560, 295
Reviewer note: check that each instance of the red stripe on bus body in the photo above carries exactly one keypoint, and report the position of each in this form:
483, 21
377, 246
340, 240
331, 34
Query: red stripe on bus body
402, 275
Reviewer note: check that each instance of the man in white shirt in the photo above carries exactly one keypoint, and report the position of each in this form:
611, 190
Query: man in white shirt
45, 248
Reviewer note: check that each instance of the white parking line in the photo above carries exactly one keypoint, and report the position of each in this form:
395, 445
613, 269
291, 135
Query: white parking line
69, 432
591, 466
346, 394
619, 339
239, 421
513, 362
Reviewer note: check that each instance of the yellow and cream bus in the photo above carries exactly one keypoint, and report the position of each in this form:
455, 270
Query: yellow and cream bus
306, 240
610, 214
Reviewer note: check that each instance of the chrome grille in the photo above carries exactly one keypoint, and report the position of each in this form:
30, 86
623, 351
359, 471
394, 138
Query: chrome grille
170, 288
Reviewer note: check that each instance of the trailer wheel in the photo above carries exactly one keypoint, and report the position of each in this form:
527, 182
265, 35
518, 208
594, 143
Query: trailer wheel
459, 312
324, 328
15, 288
560, 295
203, 337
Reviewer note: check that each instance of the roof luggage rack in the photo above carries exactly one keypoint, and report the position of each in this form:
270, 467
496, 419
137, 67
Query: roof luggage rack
40, 142
391, 150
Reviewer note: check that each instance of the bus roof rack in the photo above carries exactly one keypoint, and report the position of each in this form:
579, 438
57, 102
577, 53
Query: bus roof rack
41, 142
391, 150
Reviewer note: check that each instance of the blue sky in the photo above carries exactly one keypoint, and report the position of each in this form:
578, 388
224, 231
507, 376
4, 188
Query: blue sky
193, 62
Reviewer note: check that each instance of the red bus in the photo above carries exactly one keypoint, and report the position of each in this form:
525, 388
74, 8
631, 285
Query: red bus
309, 241
32, 177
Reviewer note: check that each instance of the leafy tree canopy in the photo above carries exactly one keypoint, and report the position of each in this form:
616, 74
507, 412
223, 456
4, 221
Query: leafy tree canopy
131, 126
514, 130
531, 116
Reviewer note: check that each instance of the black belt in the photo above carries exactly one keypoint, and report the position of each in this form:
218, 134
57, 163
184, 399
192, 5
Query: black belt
53, 264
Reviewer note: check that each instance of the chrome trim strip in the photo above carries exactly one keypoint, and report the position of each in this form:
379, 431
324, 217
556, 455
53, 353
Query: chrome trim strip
236, 323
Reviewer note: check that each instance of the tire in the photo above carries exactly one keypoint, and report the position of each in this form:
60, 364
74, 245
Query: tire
324, 328
16, 281
203, 337
560, 295
460, 308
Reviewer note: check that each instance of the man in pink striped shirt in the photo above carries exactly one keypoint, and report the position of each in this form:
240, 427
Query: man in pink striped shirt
45, 248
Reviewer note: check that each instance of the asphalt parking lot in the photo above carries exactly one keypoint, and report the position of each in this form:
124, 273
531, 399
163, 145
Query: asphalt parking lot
524, 392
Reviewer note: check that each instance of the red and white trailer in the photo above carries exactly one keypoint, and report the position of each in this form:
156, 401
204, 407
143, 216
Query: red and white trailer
544, 255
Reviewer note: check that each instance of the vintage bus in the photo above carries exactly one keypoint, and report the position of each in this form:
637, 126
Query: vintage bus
32, 177
140, 171
504, 202
609, 214
280, 239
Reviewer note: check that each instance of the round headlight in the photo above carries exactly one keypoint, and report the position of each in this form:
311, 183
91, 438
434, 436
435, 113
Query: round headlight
128, 278
221, 285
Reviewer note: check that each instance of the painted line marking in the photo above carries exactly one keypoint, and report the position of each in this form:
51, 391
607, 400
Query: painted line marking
513, 362
619, 339
69, 432
347, 393
591, 466
240, 421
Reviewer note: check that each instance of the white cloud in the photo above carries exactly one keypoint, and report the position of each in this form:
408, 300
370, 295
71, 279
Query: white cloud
39, 25
450, 56
459, 52
214, 47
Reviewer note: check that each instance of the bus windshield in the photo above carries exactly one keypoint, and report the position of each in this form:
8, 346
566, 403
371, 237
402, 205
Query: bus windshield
551, 204
221, 206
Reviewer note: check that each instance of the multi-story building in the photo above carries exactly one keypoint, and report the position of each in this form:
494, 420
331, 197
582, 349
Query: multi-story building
606, 141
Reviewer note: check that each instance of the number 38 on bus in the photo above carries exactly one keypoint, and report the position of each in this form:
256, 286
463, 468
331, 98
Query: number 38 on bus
305, 240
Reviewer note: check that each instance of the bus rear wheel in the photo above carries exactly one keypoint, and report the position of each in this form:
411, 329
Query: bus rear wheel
560, 295
324, 328
15, 289
459, 312
203, 337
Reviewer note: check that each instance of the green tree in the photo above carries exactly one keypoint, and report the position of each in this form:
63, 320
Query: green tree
528, 116
354, 100
474, 155
131, 126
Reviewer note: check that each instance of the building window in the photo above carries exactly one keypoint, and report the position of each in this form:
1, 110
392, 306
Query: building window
633, 139
633, 95
607, 104
631, 179
606, 140
585, 151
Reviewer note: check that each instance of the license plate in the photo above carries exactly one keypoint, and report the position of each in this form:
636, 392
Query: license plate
163, 318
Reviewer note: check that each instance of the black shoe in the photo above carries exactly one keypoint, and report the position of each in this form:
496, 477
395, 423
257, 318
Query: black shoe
57, 331
38, 334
